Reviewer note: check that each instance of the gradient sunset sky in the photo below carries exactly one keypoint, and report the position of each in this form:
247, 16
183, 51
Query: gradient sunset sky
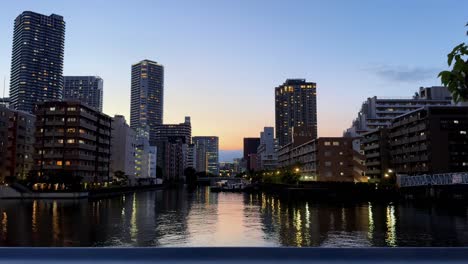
223, 59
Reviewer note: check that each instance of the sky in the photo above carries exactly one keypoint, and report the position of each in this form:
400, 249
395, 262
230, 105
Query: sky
223, 59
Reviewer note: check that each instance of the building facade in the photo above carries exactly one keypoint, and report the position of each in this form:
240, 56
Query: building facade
295, 106
172, 141
86, 89
325, 159
207, 154
250, 148
16, 144
37, 60
267, 157
378, 113
72, 140
430, 140
123, 146
147, 97
377, 153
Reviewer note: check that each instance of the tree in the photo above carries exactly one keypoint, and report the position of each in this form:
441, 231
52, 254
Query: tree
456, 79
121, 177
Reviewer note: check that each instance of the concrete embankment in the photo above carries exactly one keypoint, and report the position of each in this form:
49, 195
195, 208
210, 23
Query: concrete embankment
21, 192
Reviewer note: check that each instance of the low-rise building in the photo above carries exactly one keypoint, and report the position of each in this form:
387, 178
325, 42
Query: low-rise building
430, 140
72, 140
377, 153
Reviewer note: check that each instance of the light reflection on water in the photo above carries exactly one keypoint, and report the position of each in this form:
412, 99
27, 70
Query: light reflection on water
201, 218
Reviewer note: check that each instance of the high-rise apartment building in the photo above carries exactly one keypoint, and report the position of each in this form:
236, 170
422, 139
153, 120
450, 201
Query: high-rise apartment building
378, 113
37, 60
295, 106
86, 89
207, 154
16, 144
147, 100
72, 140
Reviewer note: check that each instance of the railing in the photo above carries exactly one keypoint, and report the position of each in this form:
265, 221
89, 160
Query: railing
434, 179
233, 255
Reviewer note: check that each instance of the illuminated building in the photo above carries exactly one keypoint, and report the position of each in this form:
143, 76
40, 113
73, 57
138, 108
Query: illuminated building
86, 89
207, 154
147, 100
267, 157
37, 60
72, 139
295, 106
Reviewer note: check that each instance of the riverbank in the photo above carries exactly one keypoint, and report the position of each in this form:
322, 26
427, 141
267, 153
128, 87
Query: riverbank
363, 192
18, 191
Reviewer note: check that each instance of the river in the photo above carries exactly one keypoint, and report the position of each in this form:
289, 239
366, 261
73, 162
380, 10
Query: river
176, 217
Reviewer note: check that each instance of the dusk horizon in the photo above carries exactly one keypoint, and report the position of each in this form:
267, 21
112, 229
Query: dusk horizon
227, 64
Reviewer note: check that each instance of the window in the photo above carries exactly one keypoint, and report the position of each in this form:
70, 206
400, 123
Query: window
463, 132
71, 119
52, 108
71, 141
60, 141
71, 130
341, 152
336, 143
326, 143
341, 173
341, 163
455, 121
67, 163
327, 153
71, 109
59, 163
328, 163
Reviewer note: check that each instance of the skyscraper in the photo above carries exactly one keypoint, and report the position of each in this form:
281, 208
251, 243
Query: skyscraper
296, 106
207, 154
37, 60
147, 100
86, 89
250, 149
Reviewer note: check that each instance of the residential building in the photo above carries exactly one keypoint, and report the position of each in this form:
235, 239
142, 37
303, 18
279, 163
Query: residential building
295, 106
377, 153
250, 147
430, 140
325, 159
378, 113
267, 157
5, 101
123, 146
37, 60
172, 141
72, 140
147, 97
191, 156
86, 89
16, 144
143, 155
207, 154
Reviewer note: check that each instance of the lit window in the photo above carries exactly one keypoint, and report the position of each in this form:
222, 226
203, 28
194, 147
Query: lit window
341, 173
67, 163
341, 152
59, 163
70, 141
327, 143
341, 163
336, 143
52, 108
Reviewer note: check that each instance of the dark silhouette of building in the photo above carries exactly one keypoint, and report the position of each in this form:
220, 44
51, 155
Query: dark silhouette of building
250, 147
37, 60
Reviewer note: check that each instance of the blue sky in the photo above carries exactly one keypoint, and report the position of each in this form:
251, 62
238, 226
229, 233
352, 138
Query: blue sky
223, 58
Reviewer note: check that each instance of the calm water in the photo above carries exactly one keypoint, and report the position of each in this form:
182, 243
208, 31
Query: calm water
201, 218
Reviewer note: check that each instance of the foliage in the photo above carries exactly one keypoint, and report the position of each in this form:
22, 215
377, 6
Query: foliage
456, 79
121, 177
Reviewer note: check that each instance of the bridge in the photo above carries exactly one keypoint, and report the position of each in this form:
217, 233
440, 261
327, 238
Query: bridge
442, 179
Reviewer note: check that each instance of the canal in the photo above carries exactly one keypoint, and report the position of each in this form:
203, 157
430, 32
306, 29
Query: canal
180, 218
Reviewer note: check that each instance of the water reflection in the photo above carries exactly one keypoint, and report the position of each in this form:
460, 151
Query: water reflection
202, 218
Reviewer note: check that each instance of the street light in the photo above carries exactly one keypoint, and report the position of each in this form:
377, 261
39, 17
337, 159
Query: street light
386, 175
297, 169
390, 170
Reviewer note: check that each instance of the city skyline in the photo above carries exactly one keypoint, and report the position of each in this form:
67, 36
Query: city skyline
411, 54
